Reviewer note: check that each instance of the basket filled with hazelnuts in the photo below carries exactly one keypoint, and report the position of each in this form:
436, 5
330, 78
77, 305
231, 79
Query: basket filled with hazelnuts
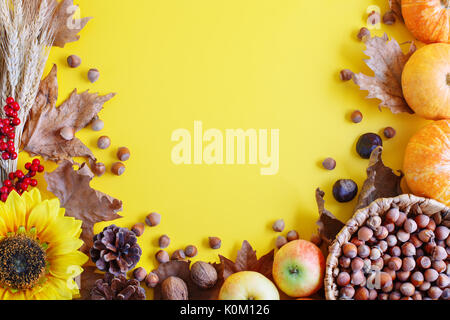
394, 249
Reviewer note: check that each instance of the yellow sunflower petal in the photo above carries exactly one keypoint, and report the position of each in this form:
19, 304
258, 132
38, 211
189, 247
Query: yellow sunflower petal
16, 204
32, 199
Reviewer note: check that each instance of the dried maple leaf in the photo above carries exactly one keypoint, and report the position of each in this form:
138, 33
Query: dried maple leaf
387, 61
246, 260
42, 131
328, 225
396, 6
181, 269
381, 181
80, 200
67, 28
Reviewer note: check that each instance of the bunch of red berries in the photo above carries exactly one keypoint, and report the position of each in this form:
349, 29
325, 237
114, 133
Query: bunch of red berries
7, 130
19, 181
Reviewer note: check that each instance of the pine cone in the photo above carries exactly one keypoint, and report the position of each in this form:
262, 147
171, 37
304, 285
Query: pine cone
117, 288
115, 250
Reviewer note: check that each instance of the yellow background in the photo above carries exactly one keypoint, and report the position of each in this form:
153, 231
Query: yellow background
265, 64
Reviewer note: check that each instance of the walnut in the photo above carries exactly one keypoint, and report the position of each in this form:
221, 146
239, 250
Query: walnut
174, 288
203, 274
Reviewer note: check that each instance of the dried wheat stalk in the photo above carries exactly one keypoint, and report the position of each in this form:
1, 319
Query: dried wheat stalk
27, 33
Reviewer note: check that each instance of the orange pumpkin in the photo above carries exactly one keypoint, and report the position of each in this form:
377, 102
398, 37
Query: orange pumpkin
427, 162
428, 20
426, 81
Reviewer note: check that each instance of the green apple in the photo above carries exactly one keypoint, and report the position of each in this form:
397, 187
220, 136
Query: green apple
298, 268
248, 285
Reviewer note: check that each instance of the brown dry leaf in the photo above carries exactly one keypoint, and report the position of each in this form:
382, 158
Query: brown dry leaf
87, 281
247, 260
41, 135
181, 269
80, 200
328, 225
381, 181
387, 61
67, 28
396, 6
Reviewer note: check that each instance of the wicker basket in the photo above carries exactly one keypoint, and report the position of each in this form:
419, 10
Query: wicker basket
405, 203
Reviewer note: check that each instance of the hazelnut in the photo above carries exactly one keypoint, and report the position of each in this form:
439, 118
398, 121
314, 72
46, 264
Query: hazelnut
378, 263
403, 276
99, 169
164, 241
434, 293
425, 286
174, 288
215, 242
363, 34
375, 253
280, 241
357, 264
401, 219
178, 255
390, 227
190, 251
439, 265
203, 274
162, 256
395, 263
426, 235
417, 278
395, 251
152, 280
389, 132
97, 125
446, 294
431, 275
329, 164
346, 75
381, 233
389, 18
439, 253
292, 236
74, 61
422, 220
67, 133
103, 142
153, 219
356, 116
363, 251
442, 232
356, 241
431, 225
414, 239
392, 215
391, 240
407, 289
408, 249
357, 278
138, 229
347, 292
345, 262
365, 233
383, 246
278, 226
349, 250
410, 226
343, 279
423, 262
443, 281
316, 239
123, 154
139, 274
402, 235
362, 294
93, 75
395, 296
408, 264
118, 168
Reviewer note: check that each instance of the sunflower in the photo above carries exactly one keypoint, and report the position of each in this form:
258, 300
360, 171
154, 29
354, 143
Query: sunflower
39, 256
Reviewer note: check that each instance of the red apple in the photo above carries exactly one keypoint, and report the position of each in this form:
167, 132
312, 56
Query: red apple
298, 268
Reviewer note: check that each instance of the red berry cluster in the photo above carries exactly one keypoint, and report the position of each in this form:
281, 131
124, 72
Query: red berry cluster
7, 130
19, 181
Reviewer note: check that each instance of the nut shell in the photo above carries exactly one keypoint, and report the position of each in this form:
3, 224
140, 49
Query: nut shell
203, 275
174, 288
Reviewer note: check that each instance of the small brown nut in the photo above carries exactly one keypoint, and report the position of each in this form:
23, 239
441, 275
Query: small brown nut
345, 262
403, 276
389, 18
362, 294
346, 75
442, 232
363, 251
97, 125
401, 219
123, 154
118, 168
356, 241
356, 116
408, 249
392, 215
415, 241
408, 264
365, 233
395, 263
389, 132
347, 293
403, 236
350, 250
343, 279
407, 289
292, 236
162, 256
391, 240
431, 225
164, 241
383, 246
426, 235
395, 295
93, 75
439, 253
422, 220
357, 264
67, 133
152, 280
278, 226
316, 239
439, 265
215, 242
425, 286
357, 278
178, 255
423, 262
103, 142
395, 251
138, 229
375, 253
174, 288
139, 274
329, 164
417, 278
203, 274
74, 61
190, 251
443, 281
431, 275
280, 241
363, 34
374, 18
435, 293
153, 219
99, 169
389, 226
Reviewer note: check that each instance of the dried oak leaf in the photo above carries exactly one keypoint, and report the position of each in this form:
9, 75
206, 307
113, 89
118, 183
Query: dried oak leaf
80, 200
246, 260
387, 61
328, 225
67, 28
87, 280
181, 269
396, 7
381, 181
41, 135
